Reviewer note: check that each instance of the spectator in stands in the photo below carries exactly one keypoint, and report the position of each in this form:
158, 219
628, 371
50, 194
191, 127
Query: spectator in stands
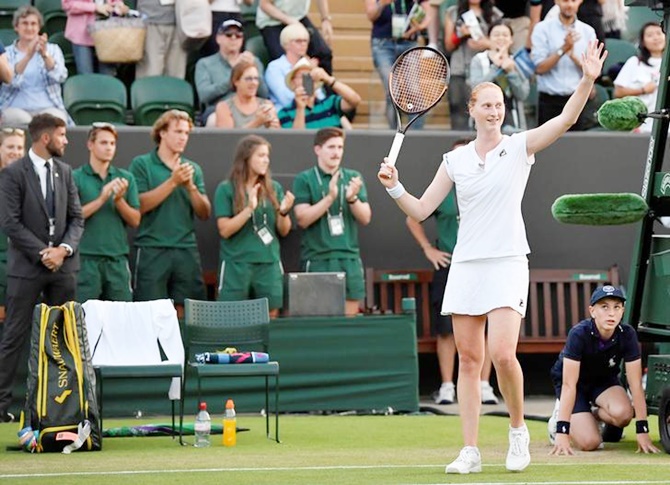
640, 75
12, 147
212, 74
307, 111
273, 15
110, 204
515, 13
463, 40
39, 70
6, 72
222, 10
390, 38
252, 213
558, 44
172, 195
497, 65
80, 15
163, 52
537, 12
588, 373
615, 18
244, 109
591, 13
446, 223
489, 280
330, 202
435, 23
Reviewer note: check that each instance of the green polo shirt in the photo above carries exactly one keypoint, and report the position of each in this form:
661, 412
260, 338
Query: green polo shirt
105, 231
310, 187
446, 217
326, 113
172, 223
245, 246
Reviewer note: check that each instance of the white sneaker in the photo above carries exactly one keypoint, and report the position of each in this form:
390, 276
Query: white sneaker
446, 394
551, 425
518, 456
488, 396
469, 461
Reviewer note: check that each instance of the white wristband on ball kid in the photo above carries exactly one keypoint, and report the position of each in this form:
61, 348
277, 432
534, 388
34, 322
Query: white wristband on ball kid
397, 191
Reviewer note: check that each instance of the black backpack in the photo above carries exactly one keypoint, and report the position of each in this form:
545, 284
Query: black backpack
61, 411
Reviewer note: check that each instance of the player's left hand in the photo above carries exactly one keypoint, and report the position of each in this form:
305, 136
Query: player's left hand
644, 444
562, 445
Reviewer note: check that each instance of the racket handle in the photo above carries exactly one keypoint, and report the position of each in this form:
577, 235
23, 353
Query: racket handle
395, 149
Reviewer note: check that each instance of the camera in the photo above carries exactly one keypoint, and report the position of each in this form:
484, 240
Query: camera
308, 84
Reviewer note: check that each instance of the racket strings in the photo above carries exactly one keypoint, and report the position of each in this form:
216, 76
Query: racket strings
418, 80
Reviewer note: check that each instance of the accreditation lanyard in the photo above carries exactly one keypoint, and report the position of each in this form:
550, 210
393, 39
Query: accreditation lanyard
335, 221
263, 231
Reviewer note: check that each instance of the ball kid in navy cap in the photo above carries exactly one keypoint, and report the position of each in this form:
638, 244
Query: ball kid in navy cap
607, 291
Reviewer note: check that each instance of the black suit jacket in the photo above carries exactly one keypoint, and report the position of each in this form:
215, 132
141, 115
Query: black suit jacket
24, 217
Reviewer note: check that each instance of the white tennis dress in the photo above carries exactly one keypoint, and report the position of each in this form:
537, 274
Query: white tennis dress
489, 267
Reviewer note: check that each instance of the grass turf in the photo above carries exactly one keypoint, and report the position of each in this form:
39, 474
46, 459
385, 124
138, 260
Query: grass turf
329, 450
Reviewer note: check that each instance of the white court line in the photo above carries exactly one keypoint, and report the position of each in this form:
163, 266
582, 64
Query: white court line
317, 468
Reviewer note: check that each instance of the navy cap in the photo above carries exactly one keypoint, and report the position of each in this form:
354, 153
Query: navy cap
607, 291
228, 24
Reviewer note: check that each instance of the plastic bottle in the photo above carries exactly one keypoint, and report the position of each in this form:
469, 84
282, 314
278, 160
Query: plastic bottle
229, 425
203, 427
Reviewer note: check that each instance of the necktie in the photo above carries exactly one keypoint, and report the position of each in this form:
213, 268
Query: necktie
49, 199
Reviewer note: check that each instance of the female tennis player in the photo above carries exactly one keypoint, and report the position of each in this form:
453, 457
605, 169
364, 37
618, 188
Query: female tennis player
489, 272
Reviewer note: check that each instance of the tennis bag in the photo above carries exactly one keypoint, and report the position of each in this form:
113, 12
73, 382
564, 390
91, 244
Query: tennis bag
61, 411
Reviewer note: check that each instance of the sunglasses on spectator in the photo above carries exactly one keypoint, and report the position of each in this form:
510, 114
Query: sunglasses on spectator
234, 35
13, 131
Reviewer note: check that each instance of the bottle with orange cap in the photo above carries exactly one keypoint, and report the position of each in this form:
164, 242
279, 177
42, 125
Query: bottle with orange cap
229, 425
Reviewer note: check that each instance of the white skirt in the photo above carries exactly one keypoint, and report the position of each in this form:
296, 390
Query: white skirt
479, 286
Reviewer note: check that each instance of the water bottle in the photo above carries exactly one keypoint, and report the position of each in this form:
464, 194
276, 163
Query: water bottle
229, 425
203, 427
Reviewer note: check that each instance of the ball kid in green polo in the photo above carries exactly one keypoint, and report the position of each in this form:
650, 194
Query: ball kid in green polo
252, 212
172, 195
330, 203
110, 204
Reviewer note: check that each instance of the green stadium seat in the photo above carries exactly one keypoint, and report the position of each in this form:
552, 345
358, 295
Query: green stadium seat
95, 97
7, 36
7, 8
65, 45
54, 15
256, 46
618, 51
637, 17
151, 96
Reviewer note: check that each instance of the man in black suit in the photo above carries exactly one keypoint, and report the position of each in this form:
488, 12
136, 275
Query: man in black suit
41, 214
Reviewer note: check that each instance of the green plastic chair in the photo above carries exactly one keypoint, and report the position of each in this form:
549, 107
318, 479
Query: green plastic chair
151, 96
256, 46
637, 17
65, 45
244, 325
617, 51
54, 15
7, 8
7, 36
95, 97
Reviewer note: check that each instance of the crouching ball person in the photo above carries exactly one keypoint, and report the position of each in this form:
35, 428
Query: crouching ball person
587, 379
489, 266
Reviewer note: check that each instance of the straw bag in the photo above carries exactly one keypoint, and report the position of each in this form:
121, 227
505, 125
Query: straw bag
119, 39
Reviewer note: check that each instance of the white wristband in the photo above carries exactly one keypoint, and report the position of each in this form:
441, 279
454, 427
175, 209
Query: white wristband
396, 191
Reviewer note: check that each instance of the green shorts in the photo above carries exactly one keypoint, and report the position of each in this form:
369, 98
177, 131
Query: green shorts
353, 268
104, 278
3, 283
173, 273
242, 281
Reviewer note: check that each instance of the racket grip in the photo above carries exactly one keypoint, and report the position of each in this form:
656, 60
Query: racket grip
395, 149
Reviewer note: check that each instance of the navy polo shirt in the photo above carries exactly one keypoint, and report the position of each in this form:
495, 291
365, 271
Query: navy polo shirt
600, 360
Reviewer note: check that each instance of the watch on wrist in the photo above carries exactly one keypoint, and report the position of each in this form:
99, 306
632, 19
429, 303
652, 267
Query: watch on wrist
560, 52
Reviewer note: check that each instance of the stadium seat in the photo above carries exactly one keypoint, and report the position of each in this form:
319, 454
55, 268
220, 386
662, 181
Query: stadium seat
151, 96
65, 45
244, 325
618, 51
7, 8
637, 17
54, 15
7, 36
95, 97
256, 46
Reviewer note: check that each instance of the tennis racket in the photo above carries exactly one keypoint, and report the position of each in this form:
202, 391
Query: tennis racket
418, 80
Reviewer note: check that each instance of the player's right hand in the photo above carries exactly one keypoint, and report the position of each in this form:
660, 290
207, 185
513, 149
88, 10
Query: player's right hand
388, 174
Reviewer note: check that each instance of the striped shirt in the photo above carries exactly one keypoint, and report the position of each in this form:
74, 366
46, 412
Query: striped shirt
325, 113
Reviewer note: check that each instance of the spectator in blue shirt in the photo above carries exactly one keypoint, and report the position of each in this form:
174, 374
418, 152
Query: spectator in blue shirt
6, 73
